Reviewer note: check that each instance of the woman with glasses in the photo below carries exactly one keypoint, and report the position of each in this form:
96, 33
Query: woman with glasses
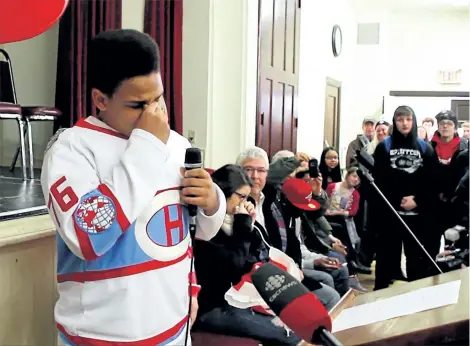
329, 167
221, 262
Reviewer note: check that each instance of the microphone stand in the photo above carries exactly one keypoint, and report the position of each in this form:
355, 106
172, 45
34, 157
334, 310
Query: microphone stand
369, 177
323, 337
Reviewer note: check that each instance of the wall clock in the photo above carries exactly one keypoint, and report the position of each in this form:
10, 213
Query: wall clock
337, 40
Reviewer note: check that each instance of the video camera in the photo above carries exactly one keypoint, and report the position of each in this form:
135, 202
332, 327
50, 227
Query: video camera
457, 253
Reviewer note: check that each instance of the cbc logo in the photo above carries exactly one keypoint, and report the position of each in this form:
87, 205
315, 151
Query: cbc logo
274, 282
162, 230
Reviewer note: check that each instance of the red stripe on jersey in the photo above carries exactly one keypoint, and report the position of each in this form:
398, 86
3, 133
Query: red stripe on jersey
154, 340
120, 216
84, 241
86, 125
97, 275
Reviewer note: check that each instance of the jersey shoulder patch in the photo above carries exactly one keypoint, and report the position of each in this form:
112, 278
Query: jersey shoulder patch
54, 139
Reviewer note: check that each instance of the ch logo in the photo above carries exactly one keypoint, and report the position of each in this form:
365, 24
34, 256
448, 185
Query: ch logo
162, 230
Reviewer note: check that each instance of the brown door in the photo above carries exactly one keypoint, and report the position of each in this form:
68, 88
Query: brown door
332, 116
460, 108
278, 73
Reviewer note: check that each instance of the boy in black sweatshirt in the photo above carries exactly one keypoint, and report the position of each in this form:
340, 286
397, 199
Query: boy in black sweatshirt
403, 171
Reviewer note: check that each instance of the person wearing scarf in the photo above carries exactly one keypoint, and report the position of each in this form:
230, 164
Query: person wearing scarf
405, 176
448, 145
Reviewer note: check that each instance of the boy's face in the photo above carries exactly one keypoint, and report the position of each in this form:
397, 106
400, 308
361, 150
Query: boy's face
122, 110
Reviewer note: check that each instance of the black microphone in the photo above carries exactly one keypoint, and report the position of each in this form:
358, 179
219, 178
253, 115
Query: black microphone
295, 305
192, 160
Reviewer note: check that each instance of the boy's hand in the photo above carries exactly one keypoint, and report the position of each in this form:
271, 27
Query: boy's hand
154, 119
198, 189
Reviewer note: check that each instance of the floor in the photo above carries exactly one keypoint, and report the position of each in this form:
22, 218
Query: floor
20, 198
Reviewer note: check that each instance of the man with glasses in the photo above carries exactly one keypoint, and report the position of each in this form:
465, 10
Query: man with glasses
273, 219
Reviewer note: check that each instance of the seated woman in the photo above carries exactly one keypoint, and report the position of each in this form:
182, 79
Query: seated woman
344, 202
221, 262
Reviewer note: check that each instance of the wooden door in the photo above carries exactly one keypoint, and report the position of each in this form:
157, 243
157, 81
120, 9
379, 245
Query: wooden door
461, 110
278, 74
332, 115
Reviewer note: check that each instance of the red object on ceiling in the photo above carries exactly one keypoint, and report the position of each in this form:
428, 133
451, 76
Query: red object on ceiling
24, 19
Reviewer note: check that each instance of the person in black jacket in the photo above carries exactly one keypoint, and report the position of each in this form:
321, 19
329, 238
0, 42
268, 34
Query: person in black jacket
403, 170
222, 261
448, 145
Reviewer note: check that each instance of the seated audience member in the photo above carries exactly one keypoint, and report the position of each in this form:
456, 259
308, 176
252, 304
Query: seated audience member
291, 165
329, 167
221, 262
274, 219
344, 202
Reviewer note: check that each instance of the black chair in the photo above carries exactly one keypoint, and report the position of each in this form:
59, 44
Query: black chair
9, 107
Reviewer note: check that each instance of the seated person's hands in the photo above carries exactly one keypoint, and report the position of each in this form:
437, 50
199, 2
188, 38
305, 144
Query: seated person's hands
247, 208
315, 184
338, 245
327, 263
408, 203
198, 189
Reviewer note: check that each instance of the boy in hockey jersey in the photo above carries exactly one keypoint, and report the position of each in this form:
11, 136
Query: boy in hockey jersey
117, 194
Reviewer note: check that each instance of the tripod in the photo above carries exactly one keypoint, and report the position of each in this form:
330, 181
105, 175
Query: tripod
369, 177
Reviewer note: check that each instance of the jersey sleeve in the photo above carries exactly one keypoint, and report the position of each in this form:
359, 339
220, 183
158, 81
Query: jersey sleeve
91, 212
208, 226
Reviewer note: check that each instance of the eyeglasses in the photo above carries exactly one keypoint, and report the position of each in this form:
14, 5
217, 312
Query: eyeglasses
260, 171
241, 195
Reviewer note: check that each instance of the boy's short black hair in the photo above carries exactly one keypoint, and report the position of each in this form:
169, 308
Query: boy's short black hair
117, 55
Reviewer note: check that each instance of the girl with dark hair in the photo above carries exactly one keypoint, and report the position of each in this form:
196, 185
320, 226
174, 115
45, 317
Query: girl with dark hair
329, 167
403, 171
221, 262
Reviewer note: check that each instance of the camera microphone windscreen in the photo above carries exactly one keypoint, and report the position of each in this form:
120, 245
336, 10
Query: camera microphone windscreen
192, 160
289, 299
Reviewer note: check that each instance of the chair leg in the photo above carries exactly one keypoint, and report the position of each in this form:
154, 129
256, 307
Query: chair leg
17, 152
30, 145
21, 127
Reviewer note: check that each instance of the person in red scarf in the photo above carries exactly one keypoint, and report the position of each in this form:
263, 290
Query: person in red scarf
448, 145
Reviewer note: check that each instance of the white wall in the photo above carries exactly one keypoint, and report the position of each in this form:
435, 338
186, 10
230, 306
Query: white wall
424, 42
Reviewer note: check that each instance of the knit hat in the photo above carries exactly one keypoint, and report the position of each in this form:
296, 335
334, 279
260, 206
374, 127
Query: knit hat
447, 115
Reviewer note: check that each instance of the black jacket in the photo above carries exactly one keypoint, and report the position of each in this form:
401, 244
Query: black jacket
274, 196
449, 175
222, 261
406, 170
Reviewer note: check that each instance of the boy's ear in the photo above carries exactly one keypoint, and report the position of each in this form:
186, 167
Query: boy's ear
100, 100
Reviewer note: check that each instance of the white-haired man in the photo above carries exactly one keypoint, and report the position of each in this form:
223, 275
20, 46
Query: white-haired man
276, 225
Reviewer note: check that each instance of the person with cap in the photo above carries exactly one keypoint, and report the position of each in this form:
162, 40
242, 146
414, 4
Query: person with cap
403, 171
274, 216
448, 145
361, 141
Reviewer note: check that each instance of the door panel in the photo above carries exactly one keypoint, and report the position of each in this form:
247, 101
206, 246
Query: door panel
279, 29
332, 116
461, 110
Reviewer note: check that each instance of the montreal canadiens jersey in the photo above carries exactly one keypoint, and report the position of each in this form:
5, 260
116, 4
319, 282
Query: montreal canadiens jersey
123, 245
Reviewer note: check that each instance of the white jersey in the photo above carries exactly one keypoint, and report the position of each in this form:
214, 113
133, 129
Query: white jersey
123, 244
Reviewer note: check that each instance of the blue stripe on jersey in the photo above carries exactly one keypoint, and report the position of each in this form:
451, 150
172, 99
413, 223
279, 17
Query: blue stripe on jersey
65, 340
96, 215
167, 341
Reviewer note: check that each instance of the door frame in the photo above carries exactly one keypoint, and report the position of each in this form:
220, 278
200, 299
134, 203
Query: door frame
453, 106
336, 84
